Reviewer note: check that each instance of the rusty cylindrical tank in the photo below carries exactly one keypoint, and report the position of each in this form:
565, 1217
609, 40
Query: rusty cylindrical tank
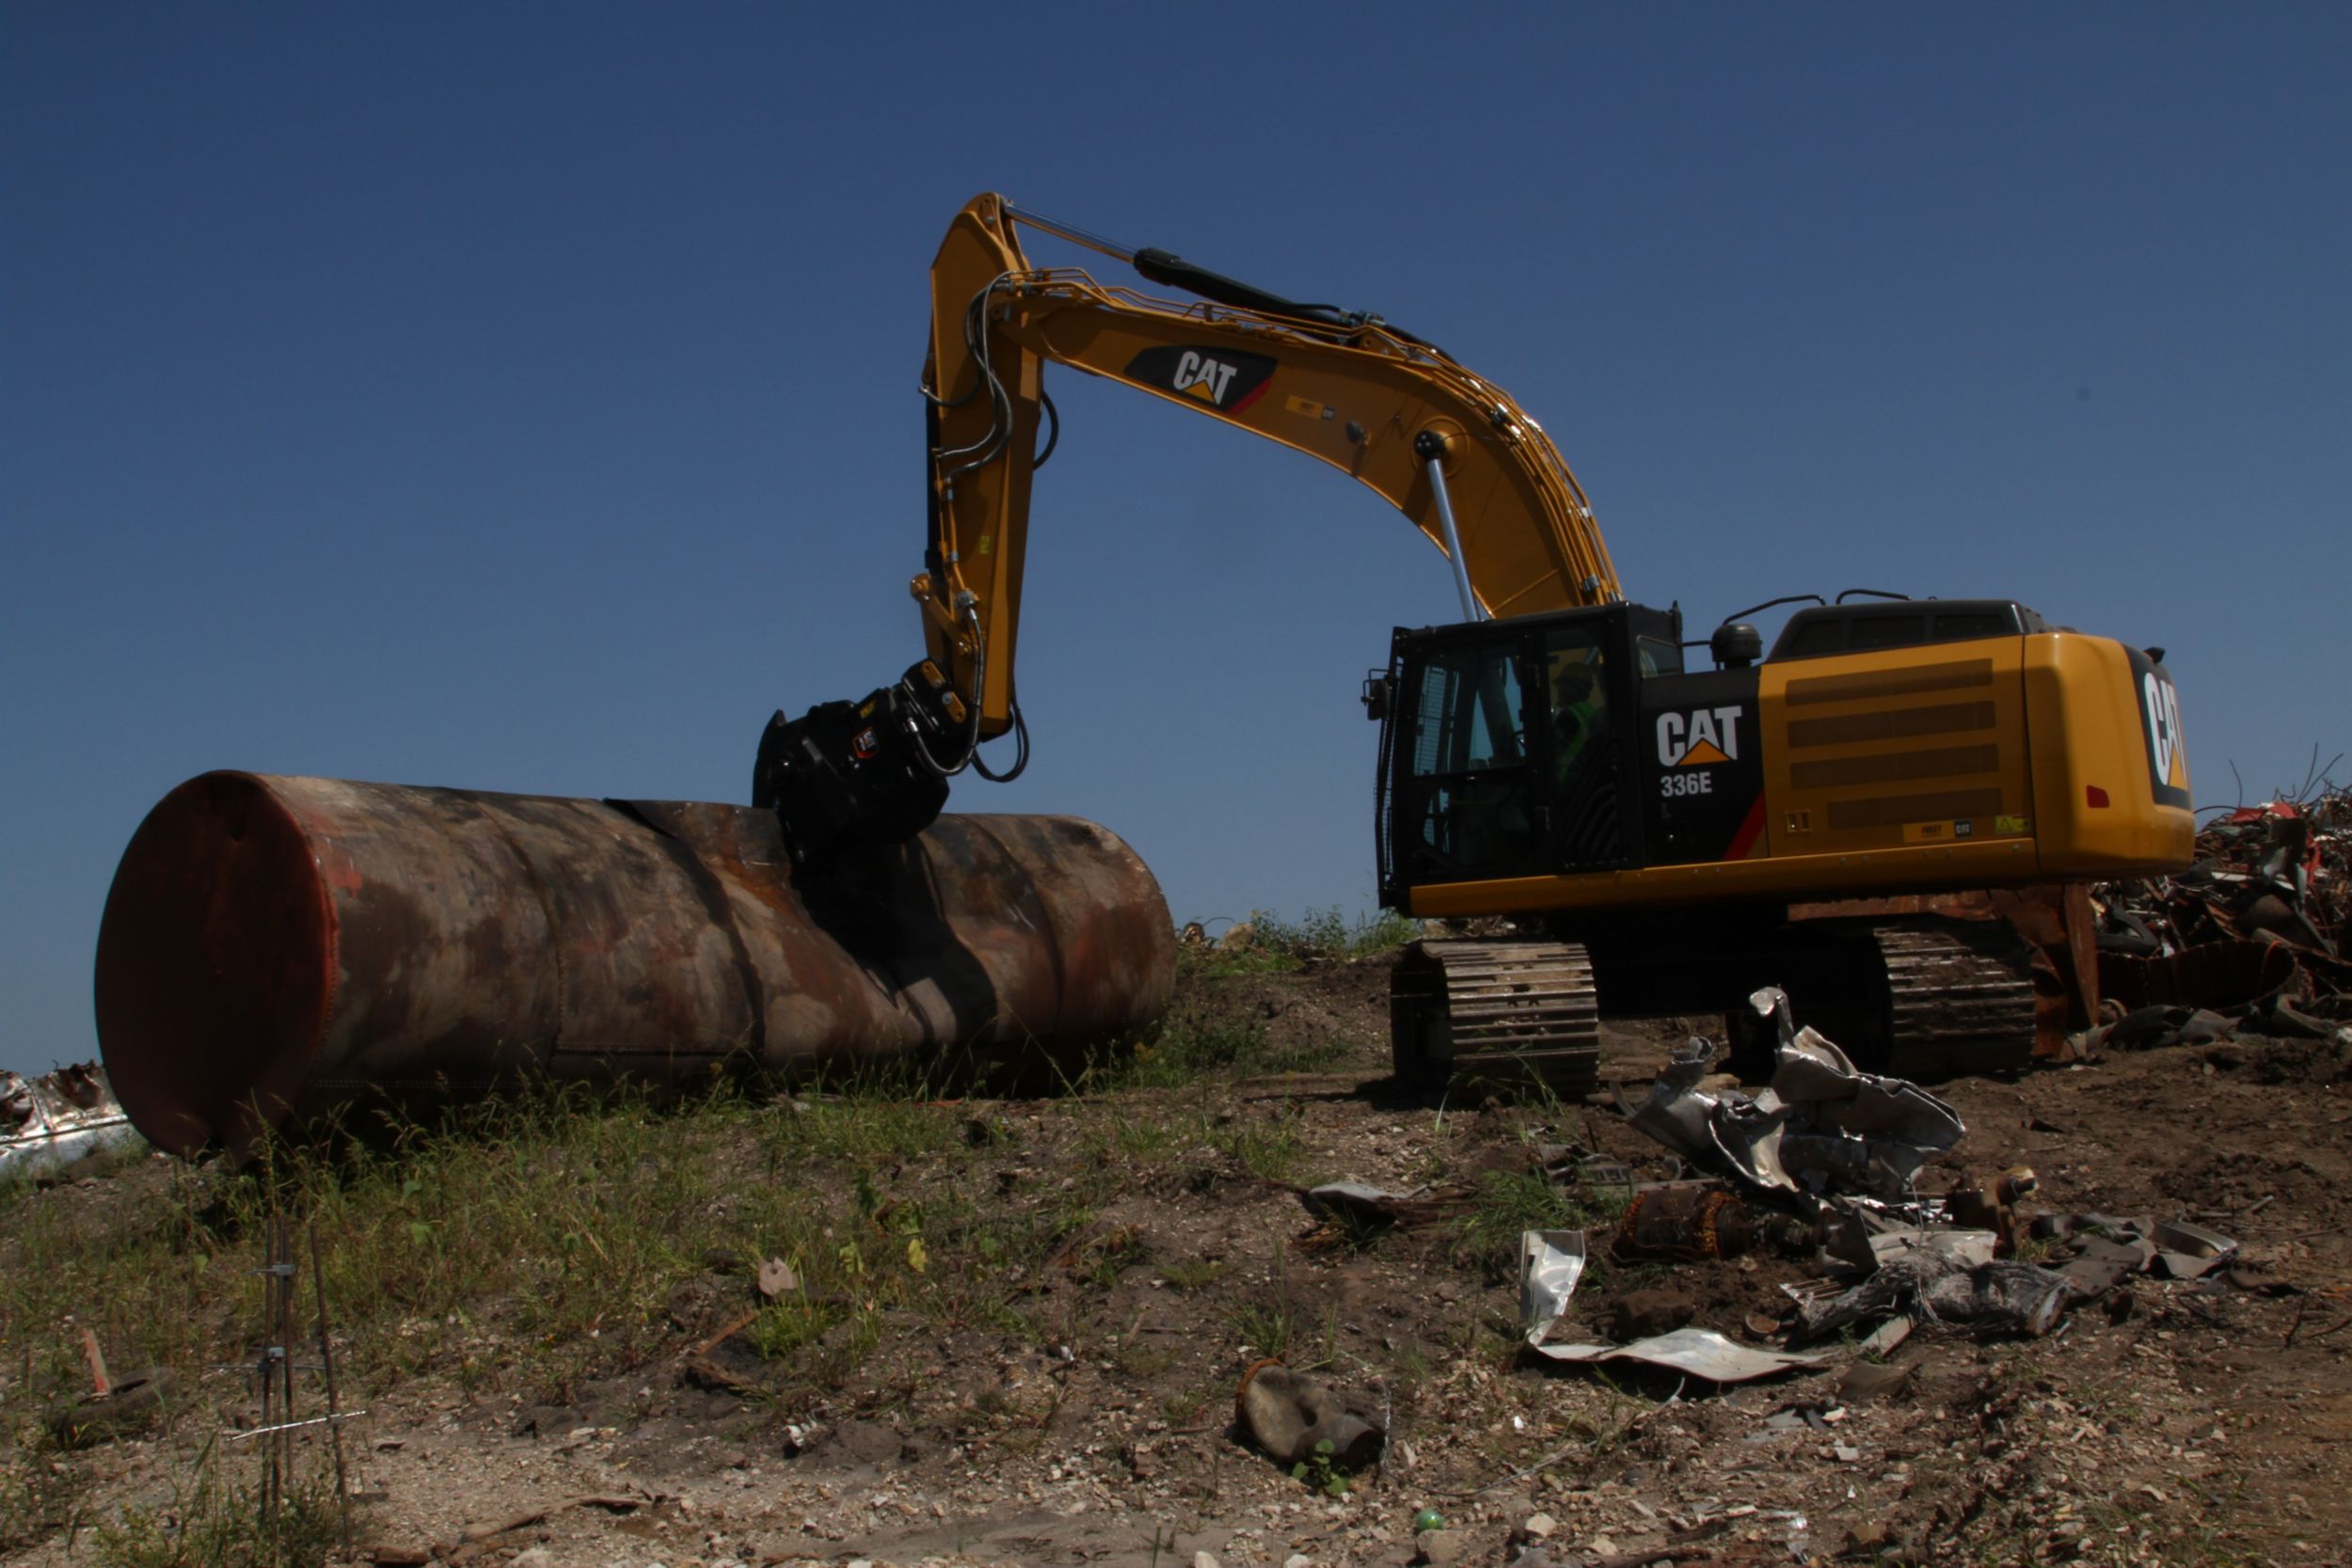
276, 948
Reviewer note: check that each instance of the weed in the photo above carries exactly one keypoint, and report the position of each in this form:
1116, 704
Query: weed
1265, 1325
1507, 1203
1271, 1148
41, 1492
1183, 1057
1278, 945
1323, 934
1192, 1273
1190, 1407
1320, 1473
214, 1523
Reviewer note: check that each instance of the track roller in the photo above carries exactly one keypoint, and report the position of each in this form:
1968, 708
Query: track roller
1960, 999
1499, 1012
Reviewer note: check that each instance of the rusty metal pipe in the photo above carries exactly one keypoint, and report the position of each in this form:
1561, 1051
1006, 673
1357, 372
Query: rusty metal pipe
274, 948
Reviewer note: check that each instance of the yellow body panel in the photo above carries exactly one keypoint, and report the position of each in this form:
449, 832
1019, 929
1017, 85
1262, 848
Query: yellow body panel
2088, 735
1957, 765
1792, 877
1895, 748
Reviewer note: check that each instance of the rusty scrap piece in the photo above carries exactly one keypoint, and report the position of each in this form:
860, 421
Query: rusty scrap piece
131, 1405
2227, 973
277, 949
2055, 921
48, 1122
101, 1384
2256, 926
1291, 1415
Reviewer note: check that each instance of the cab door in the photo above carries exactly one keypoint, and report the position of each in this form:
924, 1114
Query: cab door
1464, 786
1584, 694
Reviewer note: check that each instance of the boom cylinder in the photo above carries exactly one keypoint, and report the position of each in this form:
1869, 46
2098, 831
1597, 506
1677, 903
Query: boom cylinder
274, 948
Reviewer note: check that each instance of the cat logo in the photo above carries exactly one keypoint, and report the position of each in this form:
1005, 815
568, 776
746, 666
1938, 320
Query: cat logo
1700, 739
2160, 730
1227, 380
2165, 747
1203, 377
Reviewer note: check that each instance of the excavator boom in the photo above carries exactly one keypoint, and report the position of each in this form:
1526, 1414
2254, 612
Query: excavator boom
1374, 402
1452, 452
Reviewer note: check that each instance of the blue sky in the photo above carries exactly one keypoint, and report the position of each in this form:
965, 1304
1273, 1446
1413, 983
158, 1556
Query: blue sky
522, 397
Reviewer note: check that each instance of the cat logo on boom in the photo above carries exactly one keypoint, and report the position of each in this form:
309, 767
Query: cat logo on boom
1203, 377
1224, 379
1701, 738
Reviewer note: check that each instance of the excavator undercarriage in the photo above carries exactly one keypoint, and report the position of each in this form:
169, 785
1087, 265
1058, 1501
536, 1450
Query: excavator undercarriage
1916, 996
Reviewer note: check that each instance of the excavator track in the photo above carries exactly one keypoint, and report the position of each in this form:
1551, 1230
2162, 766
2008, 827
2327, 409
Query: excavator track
1497, 1012
1960, 998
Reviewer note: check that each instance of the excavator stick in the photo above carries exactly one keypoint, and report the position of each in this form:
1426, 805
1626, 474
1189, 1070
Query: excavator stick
276, 949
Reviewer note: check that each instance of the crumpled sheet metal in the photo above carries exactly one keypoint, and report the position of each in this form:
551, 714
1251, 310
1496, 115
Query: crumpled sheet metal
1965, 1247
48, 1122
1354, 1200
1822, 1126
2099, 1251
1991, 1297
1695, 1351
1550, 1263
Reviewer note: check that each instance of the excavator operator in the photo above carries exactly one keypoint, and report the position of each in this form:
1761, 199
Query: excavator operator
1578, 717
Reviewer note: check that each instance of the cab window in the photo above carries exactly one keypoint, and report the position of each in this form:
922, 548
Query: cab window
1469, 719
1469, 803
1658, 656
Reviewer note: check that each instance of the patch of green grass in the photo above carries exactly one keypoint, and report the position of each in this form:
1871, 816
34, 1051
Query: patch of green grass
1266, 1325
1184, 1056
867, 1122
1278, 945
560, 1227
1508, 1202
1267, 1147
1191, 1273
1212, 1053
213, 1522
40, 1490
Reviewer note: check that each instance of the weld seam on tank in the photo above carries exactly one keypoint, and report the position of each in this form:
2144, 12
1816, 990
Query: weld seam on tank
547, 911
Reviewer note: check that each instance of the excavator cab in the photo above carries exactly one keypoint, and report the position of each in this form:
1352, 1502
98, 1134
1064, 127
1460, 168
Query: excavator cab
1507, 748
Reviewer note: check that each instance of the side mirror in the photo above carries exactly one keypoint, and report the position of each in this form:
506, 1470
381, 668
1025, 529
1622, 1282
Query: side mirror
1379, 690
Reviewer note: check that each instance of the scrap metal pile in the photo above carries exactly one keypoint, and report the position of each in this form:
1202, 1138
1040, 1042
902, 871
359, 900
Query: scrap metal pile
58, 1120
1824, 1164
2251, 937
1824, 1167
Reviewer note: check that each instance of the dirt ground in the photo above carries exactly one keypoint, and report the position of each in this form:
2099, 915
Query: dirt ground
2173, 1423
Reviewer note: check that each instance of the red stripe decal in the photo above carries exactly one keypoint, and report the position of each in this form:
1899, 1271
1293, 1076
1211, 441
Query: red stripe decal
1252, 396
1750, 830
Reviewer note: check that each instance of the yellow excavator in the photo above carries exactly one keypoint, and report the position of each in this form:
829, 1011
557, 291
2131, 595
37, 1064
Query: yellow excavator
1650, 831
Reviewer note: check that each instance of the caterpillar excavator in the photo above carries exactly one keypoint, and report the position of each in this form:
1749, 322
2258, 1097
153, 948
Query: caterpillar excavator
1657, 836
